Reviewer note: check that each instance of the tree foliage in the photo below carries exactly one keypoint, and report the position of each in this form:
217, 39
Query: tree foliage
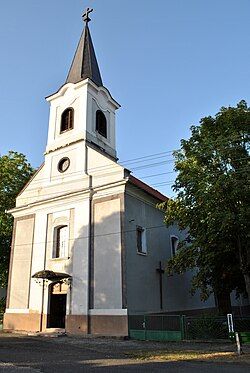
212, 200
15, 171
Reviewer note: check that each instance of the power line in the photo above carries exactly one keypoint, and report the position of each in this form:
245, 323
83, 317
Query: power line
96, 235
165, 182
147, 156
68, 175
70, 191
228, 172
160, 174
152, 164
85, 178
96, 176
134, 160
108, 167
101, 168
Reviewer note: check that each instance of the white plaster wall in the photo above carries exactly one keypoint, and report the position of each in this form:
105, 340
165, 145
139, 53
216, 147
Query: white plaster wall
77, 264
77, 215
49, 183
52, 195
108, 218
80, 97
80, 259
100, 99
103, 169
39, 245
20, 275
107, 255
71, 95
141, 277
84, 97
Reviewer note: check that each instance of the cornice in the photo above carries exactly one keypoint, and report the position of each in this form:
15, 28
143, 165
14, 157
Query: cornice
62, 197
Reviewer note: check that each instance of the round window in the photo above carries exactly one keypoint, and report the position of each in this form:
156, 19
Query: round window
63, 164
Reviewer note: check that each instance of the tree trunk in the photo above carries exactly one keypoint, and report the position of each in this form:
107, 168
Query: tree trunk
247, 282
245, 265
223, 301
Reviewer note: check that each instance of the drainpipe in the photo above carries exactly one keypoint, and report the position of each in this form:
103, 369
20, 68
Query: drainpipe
89, 301
44, 267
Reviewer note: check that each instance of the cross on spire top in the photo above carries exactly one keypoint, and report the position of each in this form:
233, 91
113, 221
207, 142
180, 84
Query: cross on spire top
84, 64
85, 15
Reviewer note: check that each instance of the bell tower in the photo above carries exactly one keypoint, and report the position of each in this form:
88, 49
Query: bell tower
82, 110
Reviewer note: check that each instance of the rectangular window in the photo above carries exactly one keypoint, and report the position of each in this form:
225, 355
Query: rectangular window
141, 240
174, 240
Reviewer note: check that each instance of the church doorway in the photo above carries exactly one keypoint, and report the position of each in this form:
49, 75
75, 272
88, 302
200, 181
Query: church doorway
57, 305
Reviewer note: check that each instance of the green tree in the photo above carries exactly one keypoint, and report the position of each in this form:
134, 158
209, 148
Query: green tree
15, 171
212, 200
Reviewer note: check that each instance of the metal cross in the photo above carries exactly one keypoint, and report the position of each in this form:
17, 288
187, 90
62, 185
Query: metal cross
160, 270
85, 15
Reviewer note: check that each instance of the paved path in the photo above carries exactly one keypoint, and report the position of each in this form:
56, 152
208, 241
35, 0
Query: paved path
73, 355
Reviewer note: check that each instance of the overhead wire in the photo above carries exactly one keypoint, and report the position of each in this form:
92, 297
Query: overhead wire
102, 168
142, 159
69, 175
147, 158
165, 182
95, 235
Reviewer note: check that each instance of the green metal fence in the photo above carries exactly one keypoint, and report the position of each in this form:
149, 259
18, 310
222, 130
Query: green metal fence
205, 328
242, 326
156, 327
177, 328
214, 327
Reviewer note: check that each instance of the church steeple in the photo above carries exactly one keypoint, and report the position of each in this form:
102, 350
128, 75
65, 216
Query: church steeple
82, 110
85, 64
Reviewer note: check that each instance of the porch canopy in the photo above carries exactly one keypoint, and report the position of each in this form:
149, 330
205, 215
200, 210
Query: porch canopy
51, 275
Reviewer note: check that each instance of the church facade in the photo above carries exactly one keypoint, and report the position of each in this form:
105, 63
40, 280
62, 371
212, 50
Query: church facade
89, 244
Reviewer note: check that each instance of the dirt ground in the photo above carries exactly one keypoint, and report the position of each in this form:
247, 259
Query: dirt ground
78, 354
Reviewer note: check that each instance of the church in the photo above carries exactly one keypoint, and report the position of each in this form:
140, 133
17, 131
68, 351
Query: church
89, 244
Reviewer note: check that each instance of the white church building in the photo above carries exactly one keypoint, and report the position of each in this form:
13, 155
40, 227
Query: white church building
89, 243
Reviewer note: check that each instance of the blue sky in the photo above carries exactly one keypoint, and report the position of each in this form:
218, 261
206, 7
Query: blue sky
167, 62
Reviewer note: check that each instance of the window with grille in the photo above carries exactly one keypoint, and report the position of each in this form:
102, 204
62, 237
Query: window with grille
101, 123
61, 242
67, 120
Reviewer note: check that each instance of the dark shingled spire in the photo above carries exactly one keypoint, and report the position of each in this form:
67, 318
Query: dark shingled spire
85, 64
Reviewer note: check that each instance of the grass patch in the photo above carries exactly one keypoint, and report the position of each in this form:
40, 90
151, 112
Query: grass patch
190, 355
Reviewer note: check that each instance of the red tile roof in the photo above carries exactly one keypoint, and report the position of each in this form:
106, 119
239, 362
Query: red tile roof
148, 189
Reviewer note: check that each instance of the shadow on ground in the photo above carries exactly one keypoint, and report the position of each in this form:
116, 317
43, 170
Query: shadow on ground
67, 354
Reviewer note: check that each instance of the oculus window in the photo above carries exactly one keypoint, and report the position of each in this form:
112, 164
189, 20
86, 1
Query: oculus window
101, 123
67, 120
63, 164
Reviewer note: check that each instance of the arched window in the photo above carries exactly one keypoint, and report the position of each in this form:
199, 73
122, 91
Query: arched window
61, 241
174, 240
67, 120
101, 123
